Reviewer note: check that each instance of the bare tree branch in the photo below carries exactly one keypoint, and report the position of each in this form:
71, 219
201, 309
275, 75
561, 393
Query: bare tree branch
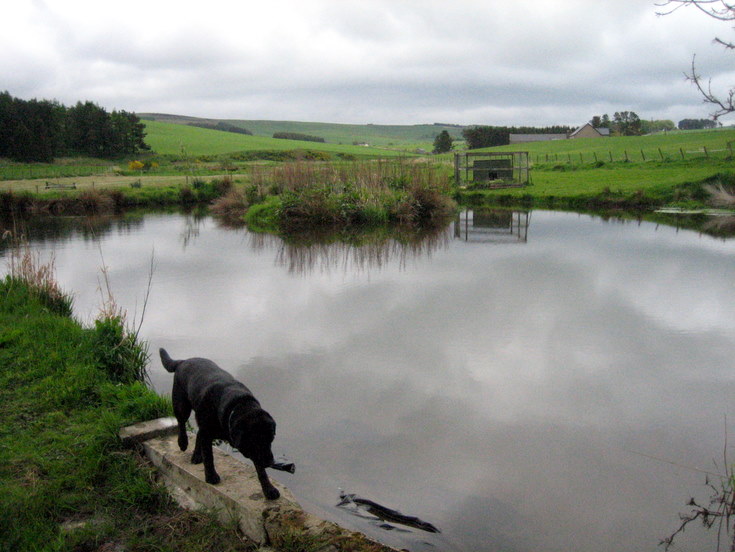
723, 105
722, 10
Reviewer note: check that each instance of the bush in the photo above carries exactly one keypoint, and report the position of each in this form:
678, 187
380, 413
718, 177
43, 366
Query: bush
231, 207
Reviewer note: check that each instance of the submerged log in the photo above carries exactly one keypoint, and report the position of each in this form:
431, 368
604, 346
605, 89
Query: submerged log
387, 514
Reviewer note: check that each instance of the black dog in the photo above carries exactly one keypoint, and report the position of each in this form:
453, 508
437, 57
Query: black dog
224, 409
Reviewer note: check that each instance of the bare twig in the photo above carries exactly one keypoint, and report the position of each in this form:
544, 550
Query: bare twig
720, 510
151, 270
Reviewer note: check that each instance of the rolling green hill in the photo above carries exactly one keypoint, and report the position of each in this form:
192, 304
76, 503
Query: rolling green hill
405, 137
177, 139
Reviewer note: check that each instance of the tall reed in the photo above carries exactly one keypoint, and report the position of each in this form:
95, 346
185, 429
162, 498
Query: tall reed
27, 267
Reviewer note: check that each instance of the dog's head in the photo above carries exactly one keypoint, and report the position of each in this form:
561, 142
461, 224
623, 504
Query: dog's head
252, 434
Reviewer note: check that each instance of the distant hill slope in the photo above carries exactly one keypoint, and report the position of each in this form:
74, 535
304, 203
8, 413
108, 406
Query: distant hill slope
177, 139
404, 136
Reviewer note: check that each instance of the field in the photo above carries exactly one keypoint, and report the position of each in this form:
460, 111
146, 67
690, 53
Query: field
670, 146
176, 139
655, 167
644, 171
401, 137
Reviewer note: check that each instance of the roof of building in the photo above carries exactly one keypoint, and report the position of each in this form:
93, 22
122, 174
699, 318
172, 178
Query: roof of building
521, 138
601, 131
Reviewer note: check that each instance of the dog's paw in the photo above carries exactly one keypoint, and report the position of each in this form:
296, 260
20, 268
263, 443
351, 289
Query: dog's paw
271, 493
212, 479
183, 442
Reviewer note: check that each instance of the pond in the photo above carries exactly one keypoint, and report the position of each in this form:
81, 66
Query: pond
537, 381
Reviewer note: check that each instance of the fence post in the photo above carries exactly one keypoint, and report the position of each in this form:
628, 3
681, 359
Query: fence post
611, 159
682, 153
595, 154
569, 158
643, 155
580, 157
457, 174
729, 146
661, 154
626, 156
706, 153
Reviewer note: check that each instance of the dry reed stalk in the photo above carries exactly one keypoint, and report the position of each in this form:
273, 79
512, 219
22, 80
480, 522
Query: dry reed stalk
720, 196
26, 265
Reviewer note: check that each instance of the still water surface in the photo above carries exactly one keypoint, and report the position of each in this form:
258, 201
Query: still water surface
508, 384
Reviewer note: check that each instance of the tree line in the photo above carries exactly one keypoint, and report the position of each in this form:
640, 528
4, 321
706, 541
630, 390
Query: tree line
221, 125
40, 130
298, 136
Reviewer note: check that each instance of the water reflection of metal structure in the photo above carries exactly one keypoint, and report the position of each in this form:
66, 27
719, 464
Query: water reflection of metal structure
493, 226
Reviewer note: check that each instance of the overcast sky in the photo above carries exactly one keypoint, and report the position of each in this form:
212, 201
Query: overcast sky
502, 62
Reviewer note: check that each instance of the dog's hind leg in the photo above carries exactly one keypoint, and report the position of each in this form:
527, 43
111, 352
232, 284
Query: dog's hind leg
182, 411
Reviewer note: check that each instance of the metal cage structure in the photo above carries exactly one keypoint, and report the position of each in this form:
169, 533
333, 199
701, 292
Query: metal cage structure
506, 169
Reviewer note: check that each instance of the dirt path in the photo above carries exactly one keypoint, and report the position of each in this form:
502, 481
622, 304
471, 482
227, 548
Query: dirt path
99, 182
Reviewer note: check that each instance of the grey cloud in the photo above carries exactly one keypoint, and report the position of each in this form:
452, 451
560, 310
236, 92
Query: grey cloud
528, 62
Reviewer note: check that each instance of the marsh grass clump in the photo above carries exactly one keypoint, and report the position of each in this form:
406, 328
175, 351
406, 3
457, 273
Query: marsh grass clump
354, 194
230, 207
119, 353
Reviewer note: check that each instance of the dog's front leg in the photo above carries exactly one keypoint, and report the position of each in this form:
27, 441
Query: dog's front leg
203, 453
270, 492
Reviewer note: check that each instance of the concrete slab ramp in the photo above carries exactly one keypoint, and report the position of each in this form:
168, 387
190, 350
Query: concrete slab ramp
238, 496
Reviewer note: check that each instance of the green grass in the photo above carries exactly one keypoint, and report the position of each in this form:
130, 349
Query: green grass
579, 174
183, 140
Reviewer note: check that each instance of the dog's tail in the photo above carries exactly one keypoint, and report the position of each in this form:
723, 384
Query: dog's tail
168, 363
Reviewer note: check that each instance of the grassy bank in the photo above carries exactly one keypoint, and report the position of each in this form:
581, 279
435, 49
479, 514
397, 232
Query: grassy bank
91, 201
65, 391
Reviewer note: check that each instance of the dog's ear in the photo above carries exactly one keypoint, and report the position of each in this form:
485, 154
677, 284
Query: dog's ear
259, 426
262, 428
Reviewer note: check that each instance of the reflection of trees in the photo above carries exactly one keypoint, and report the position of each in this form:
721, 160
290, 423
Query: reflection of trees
42, 229
192, 225
362, 251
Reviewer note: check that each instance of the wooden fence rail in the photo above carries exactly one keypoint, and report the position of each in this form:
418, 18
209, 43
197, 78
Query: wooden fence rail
597, 157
